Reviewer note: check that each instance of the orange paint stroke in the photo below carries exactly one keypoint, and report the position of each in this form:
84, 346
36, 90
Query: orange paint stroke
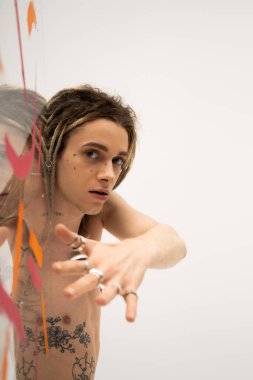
8, 307
16, 260
31, 17
35, 275
4, 370
43, 312
37, 250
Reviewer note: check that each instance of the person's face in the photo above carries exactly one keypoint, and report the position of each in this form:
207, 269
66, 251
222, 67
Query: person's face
90, 165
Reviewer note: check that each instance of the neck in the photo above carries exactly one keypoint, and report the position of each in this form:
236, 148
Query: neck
42, 224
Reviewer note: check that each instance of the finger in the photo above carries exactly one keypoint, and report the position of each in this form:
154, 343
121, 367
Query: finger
131, 307
4, 233
81, 286
67, 237
69, 267
64, 234
109, 292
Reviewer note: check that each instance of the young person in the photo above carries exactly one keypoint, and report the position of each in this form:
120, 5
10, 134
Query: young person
88, 145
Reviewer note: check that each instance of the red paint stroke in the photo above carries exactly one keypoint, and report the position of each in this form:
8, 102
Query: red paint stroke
37, 250
35, 275
1, 66
20, 48
43, 312
31, 17
22, 165
5, 363
8, 307
17, 256
40, 143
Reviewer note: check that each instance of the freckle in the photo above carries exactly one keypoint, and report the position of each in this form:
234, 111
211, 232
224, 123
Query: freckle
91, 171
74, 154
66, 319
74, 168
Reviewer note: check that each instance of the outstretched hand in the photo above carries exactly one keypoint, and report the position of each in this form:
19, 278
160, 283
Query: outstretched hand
122, 264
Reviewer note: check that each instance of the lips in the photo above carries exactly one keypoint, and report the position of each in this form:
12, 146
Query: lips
100, 194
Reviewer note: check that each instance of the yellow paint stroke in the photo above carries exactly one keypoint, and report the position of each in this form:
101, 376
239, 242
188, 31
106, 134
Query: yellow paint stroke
34, 244
4, 370
31, 17
43, 311
18, 246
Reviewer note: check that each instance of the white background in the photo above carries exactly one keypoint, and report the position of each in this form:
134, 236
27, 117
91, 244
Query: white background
186, 68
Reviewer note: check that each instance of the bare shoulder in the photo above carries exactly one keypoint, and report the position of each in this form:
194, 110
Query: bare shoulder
124, 221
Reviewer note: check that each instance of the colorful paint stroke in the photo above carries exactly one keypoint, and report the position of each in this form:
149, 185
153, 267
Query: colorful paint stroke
4, 369
43, 312
1, 66
31, 17
34, 244
8, 307
35, 275
17, 256
21, 165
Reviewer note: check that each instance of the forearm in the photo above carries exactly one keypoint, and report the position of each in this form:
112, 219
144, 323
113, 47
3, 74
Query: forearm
164, 247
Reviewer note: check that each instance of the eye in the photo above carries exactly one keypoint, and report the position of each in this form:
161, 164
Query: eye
118, 161
92, 154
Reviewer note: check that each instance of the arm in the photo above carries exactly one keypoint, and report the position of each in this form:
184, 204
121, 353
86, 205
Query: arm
164, 248
144, 244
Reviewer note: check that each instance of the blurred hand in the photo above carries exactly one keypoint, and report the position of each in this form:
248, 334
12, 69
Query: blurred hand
121, 263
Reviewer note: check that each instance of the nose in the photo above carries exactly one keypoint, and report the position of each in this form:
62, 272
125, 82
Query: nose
106, 172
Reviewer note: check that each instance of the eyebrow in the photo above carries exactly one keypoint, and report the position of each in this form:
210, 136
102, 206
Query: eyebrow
103, 147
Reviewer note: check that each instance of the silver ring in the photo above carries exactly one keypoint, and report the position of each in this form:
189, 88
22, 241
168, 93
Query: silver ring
73, 241
116, 285
78, 248
98, 273
130, 291
80, 257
